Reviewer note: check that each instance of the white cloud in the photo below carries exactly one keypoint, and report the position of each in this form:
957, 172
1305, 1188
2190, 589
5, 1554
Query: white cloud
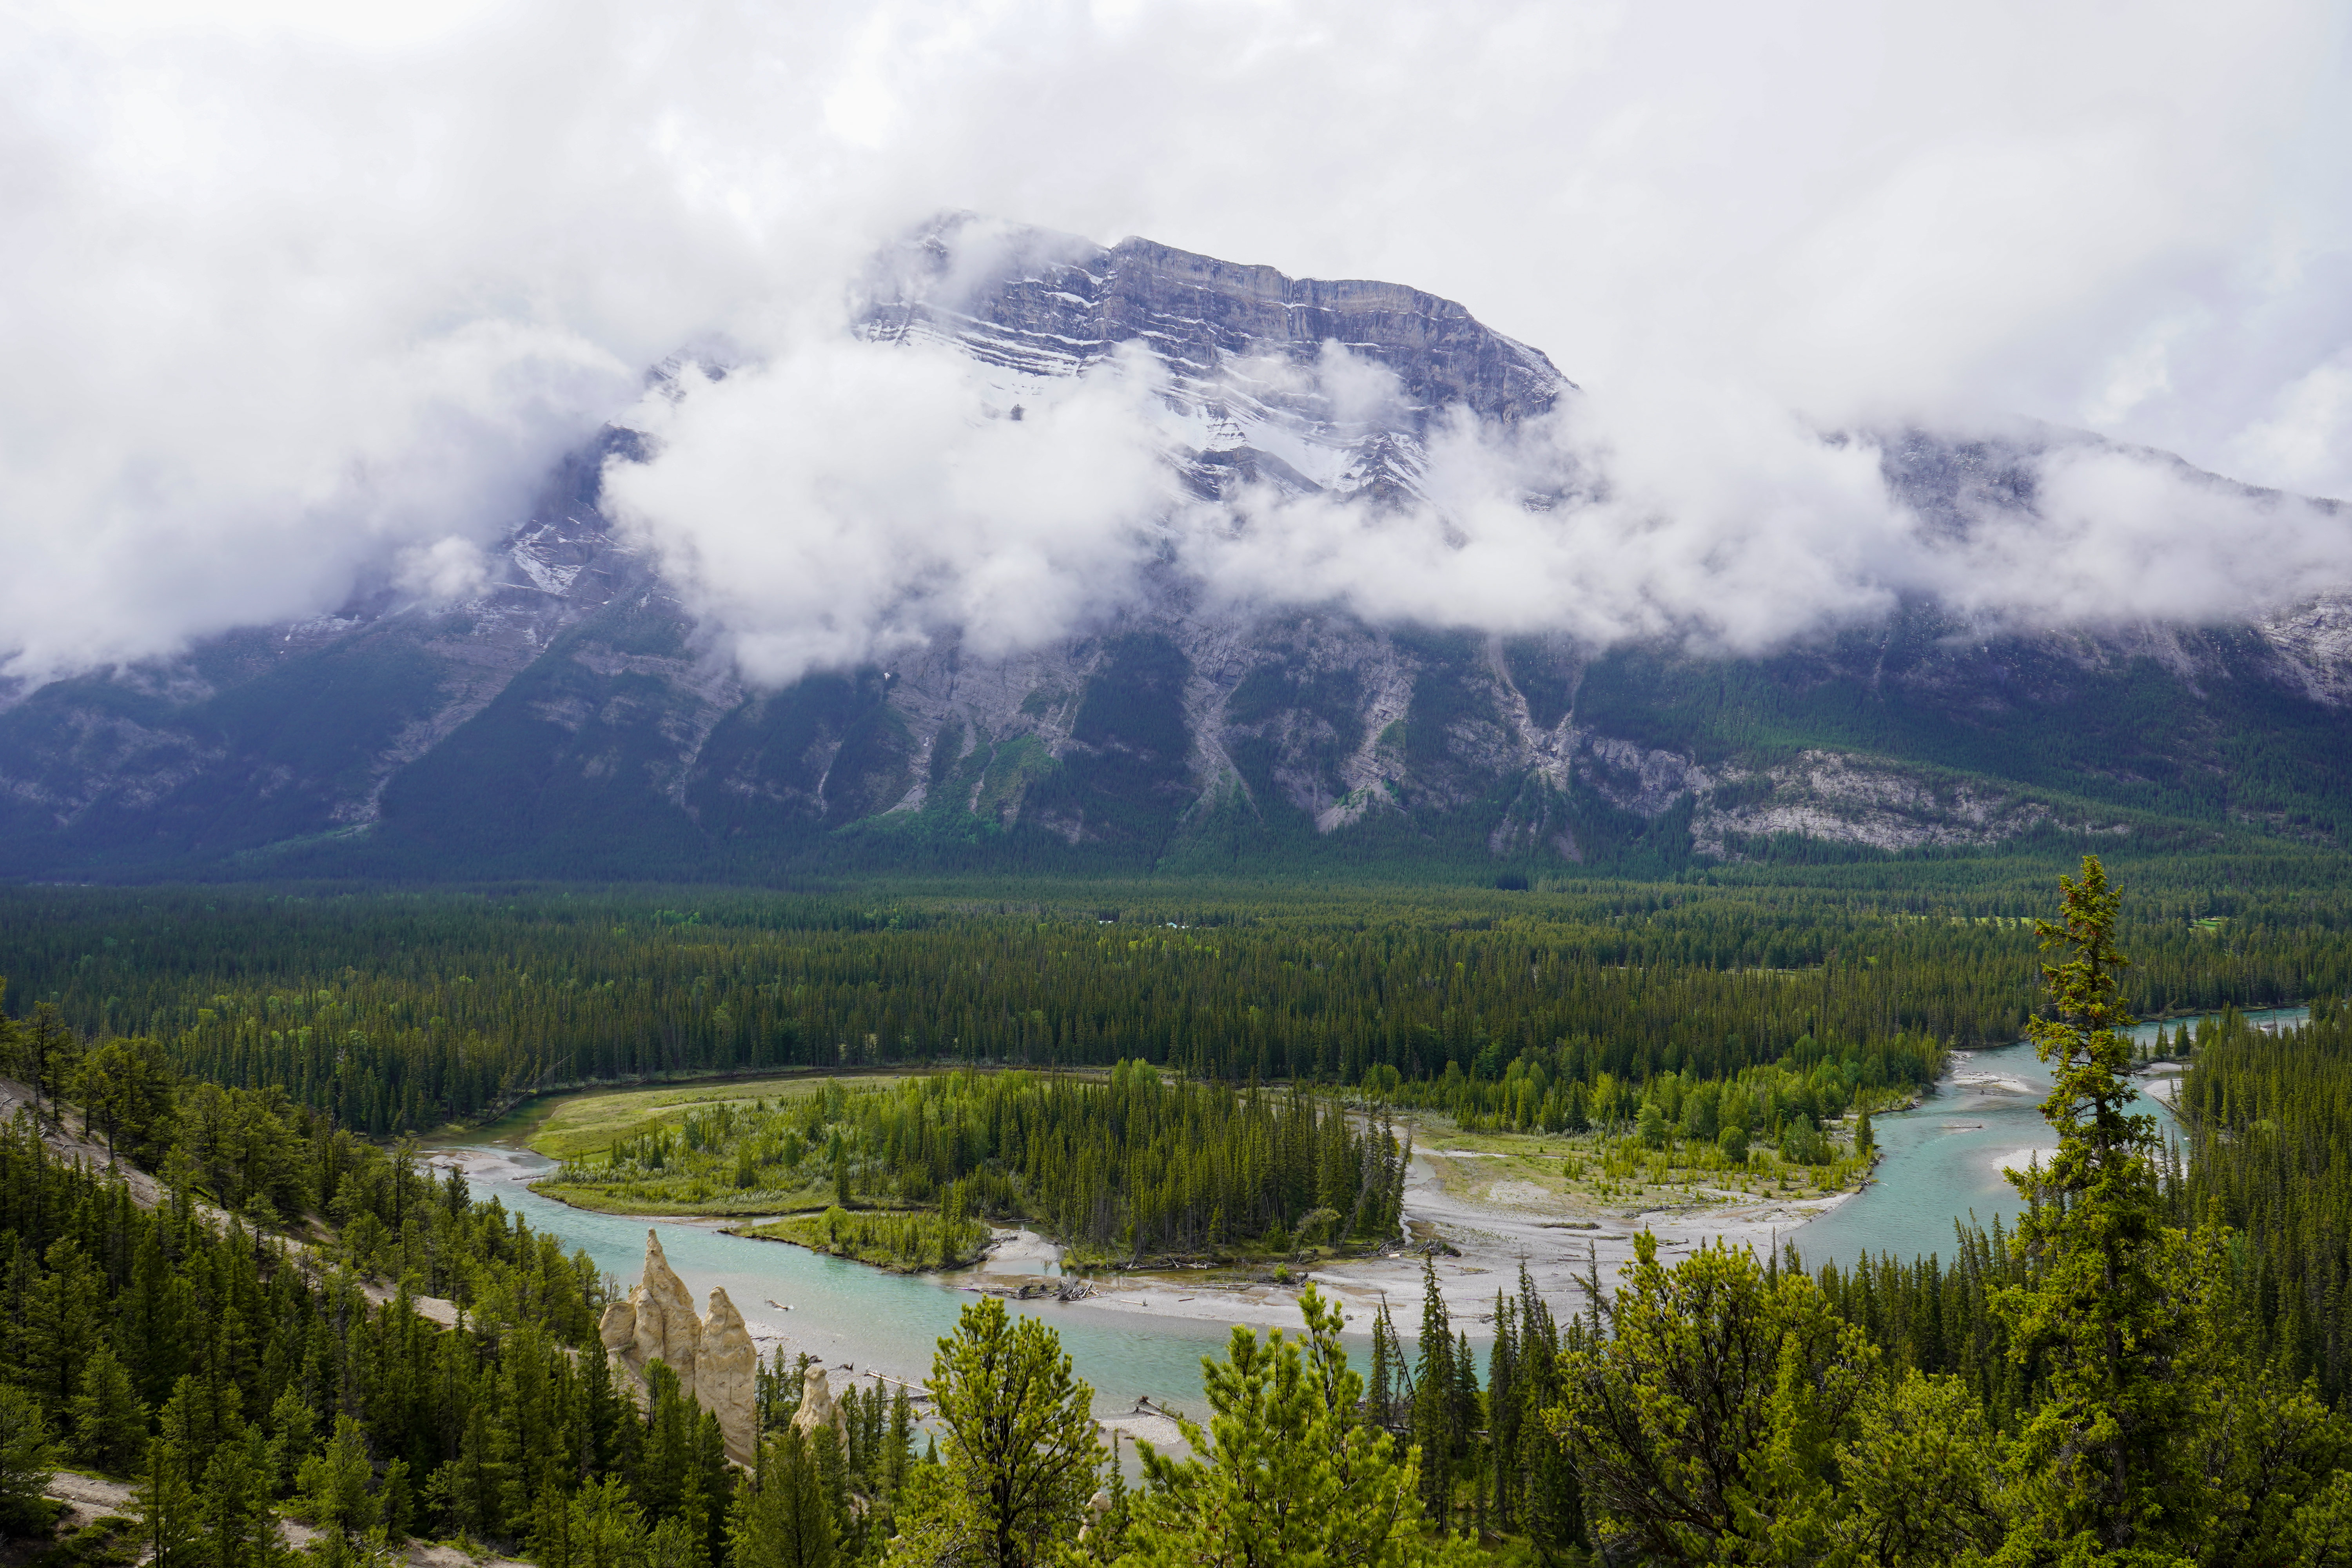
450, 568
847, 501
299, 295
2305, 440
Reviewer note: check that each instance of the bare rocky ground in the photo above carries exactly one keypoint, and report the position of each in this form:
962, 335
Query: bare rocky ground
421, 1553
89, 1498
58, 1136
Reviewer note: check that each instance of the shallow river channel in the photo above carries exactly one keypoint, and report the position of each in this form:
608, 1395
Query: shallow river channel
1945, 1160
1943, 1163
842, 1311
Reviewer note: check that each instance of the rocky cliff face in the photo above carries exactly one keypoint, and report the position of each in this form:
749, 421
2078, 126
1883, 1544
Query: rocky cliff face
1241, 347
564, 722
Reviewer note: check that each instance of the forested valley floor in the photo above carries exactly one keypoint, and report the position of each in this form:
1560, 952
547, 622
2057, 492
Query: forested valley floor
242, 1343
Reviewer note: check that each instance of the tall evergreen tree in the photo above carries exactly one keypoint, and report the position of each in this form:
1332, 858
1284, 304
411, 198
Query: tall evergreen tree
2109, 1314
169, 1509
1704, 1427
333, 1490
783, 1520
110, 1420
1021, 1455
236, 1516
29, 1458
1434, 1395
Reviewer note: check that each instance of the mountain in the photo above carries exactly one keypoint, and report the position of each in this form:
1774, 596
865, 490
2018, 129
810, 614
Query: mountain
569, 722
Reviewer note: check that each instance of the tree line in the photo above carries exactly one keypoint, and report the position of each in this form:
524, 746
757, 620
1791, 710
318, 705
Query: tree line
1131, 1162
398, 1012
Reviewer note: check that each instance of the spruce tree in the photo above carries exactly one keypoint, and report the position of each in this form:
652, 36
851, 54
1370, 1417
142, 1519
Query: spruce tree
783, 1520
1503, 1405
1434, 1395
2104, 1315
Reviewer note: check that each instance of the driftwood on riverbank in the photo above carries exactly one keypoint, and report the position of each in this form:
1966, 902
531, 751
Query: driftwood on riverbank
1016, 1288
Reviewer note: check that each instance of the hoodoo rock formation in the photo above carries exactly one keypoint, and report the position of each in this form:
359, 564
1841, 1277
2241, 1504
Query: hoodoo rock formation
818, 1407
712, 1356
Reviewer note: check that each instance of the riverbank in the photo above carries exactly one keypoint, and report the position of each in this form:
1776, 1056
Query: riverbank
1492, 1226
904, 1241
1485, 1212
1482, 1203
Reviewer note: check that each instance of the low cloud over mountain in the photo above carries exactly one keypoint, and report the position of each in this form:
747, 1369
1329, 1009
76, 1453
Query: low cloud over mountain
305, 306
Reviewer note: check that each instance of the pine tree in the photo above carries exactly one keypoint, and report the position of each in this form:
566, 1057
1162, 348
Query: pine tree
1503, 1410
551, 1528
27, 1458
1021, 1451
1705, 1428
1287, 1471
44, 1048
1433, 1396
331, 1490
169, 1507
608, 1526
61, 1323
669, 1453
396, 1501
783, 1520
110, 1421
148, 1320
469, 1492
1923, 1477
1551, 1507
293, 1434
601, 1410
234, 1513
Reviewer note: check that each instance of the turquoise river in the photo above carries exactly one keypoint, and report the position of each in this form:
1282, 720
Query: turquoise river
1943, 1163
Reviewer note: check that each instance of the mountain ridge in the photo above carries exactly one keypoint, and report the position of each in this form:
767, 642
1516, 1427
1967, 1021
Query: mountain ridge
570, 718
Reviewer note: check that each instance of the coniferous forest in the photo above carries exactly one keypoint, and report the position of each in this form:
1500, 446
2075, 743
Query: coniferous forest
405, 1012
235, 1285
1129, 1159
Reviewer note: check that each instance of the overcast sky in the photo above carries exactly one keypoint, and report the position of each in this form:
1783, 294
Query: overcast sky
300, 297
